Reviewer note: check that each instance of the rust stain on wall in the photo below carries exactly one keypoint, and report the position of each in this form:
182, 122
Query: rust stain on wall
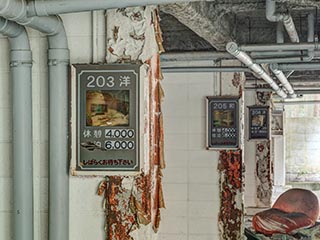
264, 163
231, 191
131, 202
264, 173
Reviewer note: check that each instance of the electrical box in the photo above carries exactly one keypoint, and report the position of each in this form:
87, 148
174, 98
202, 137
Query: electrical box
106, 119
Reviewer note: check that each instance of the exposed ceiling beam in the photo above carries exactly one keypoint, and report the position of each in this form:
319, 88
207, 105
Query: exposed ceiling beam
205, 19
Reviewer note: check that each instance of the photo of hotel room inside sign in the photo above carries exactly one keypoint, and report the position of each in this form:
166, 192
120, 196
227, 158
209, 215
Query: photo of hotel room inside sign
107, 108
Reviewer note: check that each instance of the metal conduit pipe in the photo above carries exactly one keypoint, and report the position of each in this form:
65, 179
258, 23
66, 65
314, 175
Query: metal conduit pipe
280, 35
302, 66
287, 20
192, 69
311, 27
299, 66
283, 79
309, 47
20, 69
290, 27
58, 60
277, 47
279, 74
259, 56
189, 56
233, 49
47, 8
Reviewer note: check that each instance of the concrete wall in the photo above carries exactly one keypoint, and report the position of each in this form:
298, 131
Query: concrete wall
302, 141
191, 177
86, 214
190, 180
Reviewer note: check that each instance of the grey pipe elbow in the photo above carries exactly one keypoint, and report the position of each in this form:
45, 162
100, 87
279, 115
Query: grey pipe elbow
36, 9
271, 14
274, 67
232, 48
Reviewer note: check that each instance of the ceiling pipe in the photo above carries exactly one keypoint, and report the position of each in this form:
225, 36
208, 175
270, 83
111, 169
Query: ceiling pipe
311, 19
287, 20
299, 66
233, 49
309, 47
291, 29
277, 47
279, 74
280, 35
283, 79
302, 66
47, 8
314, 102
259, 56
58, 60
20, 69
192, 69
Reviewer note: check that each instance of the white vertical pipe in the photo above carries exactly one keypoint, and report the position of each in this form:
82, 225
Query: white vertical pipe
58, 60
280, 35
22, 144
58, 149
20, 68
311, 19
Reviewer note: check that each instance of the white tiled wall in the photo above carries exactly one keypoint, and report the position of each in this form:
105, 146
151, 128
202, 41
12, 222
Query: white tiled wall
86, 214
190, 179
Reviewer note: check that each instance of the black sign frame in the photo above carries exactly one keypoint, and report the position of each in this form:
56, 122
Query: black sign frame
222, 122
116, 123
259, 122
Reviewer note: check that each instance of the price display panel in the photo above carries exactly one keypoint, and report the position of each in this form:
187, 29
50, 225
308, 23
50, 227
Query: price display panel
222, 123
259, 122
107, 115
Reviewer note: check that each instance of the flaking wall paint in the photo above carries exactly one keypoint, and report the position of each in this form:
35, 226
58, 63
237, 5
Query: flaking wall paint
191, 178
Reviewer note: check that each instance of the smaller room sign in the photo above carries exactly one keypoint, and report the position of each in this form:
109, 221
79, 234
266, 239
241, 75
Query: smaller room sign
107, 118
222, 122
259, 123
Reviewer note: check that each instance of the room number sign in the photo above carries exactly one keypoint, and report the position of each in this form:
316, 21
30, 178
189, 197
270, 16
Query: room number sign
222, 123
107, 117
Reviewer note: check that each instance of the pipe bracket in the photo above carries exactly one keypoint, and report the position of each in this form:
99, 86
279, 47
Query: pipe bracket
20, 63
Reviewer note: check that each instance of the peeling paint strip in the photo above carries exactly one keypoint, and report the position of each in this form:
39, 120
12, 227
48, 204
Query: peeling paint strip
128, 209
231, 214
264, 168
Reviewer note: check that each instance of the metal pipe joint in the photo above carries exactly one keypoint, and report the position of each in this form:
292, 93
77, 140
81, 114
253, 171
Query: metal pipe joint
233, 49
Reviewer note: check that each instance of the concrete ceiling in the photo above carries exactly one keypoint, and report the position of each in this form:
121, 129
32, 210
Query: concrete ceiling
209, 25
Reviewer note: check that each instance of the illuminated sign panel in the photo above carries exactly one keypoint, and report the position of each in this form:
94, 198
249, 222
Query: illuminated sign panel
107, 117
222, 123
259, 123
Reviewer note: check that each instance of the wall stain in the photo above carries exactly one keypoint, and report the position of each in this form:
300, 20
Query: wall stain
133, 201
231, 192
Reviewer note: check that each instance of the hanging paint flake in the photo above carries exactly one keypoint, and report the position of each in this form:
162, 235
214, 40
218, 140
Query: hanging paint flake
132, 204
231, 214
133, 34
